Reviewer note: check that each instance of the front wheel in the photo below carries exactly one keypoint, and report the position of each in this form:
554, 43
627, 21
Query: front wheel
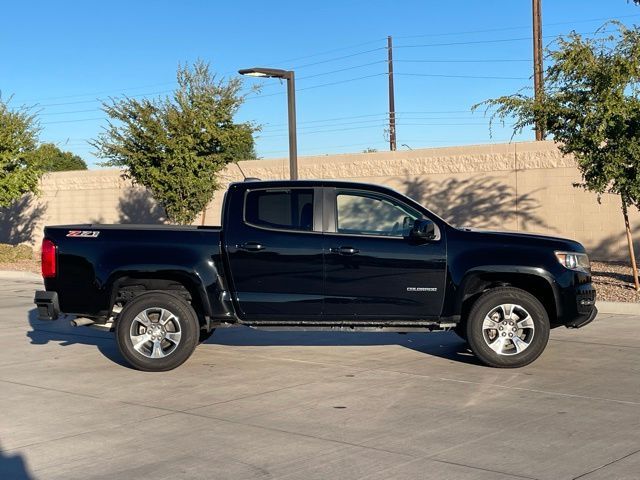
507, 328
157, 331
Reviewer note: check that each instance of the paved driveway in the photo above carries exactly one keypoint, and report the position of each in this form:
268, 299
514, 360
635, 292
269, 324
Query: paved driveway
264, 405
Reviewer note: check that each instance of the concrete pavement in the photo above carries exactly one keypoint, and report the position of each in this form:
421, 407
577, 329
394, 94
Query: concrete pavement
263, 405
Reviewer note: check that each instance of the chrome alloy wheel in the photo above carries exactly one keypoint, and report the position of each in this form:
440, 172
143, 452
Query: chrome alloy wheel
155, 332
508, 329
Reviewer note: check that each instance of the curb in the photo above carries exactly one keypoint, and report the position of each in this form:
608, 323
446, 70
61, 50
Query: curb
620, 308
19, 275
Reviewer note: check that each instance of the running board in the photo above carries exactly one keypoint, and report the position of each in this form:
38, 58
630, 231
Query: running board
351, 326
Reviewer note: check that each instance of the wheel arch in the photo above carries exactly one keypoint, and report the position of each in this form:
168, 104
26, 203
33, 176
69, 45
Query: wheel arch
188, 286
536, 281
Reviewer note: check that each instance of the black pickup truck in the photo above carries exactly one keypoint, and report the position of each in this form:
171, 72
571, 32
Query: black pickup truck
315, 255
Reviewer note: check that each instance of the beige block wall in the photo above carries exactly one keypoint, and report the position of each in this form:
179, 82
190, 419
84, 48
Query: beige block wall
519, 186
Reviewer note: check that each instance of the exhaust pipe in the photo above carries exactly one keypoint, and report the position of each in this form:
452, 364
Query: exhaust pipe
81, 322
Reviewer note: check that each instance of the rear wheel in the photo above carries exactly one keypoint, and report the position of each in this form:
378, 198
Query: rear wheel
157, 331
507, 327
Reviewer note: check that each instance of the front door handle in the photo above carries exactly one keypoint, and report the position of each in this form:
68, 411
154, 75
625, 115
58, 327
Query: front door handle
344, 250
251, 247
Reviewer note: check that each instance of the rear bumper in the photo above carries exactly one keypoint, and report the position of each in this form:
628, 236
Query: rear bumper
47, 304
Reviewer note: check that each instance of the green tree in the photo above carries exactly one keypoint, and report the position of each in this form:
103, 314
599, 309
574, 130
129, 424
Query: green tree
18, 138
175, 146
49, 158
591, 107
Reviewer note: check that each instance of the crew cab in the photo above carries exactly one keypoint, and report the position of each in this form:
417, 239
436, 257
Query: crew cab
315, 255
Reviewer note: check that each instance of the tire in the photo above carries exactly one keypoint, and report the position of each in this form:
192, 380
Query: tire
157, 332
507, 328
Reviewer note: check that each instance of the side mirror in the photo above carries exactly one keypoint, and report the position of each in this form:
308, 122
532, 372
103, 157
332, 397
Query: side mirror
423, 229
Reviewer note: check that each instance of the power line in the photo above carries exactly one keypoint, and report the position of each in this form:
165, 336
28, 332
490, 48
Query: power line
322, 62
442, 124
348, 80
68, 113
479, 77
498, 40
381, 125
331, 119
405, 140
104, 92
470, 42
491, 30
74, 121
381, 114
505, 29
341, 70
319, 54
255, 96
345, 56
251, 97
375, 121
170, 91
366, 144
298, 67
382, 117
99, 100
313, 132
484, 61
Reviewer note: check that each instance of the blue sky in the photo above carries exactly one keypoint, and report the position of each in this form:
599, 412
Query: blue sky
66, 56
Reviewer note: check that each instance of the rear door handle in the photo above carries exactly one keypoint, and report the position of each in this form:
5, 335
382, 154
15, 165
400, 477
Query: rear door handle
344, 250
251, 247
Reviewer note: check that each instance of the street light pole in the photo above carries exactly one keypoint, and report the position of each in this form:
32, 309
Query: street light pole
293, 138
289, 76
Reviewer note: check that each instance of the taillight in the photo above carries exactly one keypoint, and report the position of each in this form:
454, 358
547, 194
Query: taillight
48, 256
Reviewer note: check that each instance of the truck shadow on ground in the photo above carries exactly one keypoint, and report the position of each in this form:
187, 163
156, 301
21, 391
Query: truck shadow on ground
14, 467
443, 344
61, 332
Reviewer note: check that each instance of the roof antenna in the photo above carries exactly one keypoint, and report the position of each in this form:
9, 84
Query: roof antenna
245, 178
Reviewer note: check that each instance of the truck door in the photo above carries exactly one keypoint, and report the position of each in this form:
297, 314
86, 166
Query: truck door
372, 268
274, 250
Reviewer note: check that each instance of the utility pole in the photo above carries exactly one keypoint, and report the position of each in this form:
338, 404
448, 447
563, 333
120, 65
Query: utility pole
392, 101
538, 86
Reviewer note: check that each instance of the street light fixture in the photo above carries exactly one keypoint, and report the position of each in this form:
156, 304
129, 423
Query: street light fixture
289, 76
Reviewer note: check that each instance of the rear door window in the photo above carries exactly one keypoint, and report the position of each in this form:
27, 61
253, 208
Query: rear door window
280, 209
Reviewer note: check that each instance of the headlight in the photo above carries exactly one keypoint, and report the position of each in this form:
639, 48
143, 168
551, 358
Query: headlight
573, 260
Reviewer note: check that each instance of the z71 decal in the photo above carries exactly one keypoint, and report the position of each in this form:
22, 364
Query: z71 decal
83, 233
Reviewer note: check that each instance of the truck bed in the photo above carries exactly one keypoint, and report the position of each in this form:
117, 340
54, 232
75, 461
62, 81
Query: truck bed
94, 259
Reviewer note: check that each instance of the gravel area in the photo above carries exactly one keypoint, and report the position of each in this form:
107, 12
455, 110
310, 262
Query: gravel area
613, 280
21, 266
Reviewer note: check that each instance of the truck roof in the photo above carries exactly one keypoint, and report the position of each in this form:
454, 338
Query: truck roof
251, 182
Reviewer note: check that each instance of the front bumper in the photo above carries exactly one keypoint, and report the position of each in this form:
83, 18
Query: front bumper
575, 300
48, 305
583, 320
